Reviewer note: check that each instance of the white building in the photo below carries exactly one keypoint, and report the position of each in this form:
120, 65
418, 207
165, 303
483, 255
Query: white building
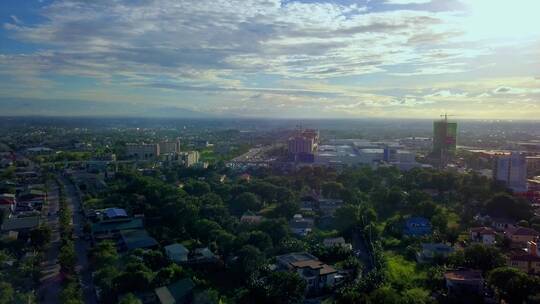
142, 151
512, 170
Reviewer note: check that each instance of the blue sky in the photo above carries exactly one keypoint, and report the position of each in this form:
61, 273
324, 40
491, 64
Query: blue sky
278, 58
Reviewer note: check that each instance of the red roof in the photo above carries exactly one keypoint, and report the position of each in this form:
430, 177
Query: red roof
525, 258
463, 275
483, 230
522, 231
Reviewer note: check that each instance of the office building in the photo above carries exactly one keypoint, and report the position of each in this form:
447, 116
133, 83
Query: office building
512, 170
444, 139
169, 147
189, 158
303, 145
142, 151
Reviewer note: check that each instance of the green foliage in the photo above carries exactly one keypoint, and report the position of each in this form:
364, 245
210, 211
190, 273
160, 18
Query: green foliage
478, 256
513, 285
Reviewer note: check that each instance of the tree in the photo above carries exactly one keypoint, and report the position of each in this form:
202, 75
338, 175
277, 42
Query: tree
250, 260
284, 288
6, 293
513, 285
71, 294
197, 188
130, 299
244, 202
40, 236
332, 189
167, 275
68, 258
504, 205
385, 295
478, 256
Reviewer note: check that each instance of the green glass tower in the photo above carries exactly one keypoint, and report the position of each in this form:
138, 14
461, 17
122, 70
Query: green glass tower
444, 138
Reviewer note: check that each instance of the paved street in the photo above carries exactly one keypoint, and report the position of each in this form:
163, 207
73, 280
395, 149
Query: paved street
81, 246
51, 280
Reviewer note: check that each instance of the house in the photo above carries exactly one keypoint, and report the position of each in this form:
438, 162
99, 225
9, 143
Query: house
484, 235
316, 274
521, 235
114, 213
301, 226
7, 201
336, 242
417, 226
136, 238
464, 282
329, 206
251, 218
177, 253
108, 228
527, 261
432, 250
179, 292
203, 256
502, 224
20, 224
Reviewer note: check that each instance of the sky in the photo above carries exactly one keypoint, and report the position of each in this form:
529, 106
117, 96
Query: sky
274, 58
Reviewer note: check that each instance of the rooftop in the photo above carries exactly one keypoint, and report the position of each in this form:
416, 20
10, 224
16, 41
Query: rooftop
138, 238
463, 275
20, 223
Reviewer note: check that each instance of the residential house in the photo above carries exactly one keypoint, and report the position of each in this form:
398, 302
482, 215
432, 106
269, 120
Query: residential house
7, 202
317, 275
527, 261
177, 253
136, 238
179, 292
417, 226
484, 235
110, 228
521, 235
251, 218
301, 226
432, 250
464, 282
336, 242
115, 213
203, 256
502, 224
328, 207
20, 224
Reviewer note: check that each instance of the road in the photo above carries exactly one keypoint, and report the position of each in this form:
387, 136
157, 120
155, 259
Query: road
51, 279
81, 246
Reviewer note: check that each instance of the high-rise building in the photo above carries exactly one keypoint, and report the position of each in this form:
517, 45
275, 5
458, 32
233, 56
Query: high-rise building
142, 151
302, 145
169, 147
444, 139
512, 170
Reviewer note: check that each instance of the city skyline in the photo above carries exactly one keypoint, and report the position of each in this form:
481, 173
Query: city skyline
272, 58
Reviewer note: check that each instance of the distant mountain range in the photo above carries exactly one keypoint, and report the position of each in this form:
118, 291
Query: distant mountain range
68, 107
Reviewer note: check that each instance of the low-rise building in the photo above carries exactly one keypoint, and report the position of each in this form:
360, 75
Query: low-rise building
431, 251
337, 242
136, 238
251, 218
301, 226
484, 235
142, 151
177, 253
521, 235
317, 274
417, 226
526, 261
179, 292
464, 282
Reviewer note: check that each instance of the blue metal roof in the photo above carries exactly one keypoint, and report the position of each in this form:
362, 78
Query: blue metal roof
115, 212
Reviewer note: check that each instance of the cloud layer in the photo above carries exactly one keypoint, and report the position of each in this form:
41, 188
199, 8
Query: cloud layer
261, 57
